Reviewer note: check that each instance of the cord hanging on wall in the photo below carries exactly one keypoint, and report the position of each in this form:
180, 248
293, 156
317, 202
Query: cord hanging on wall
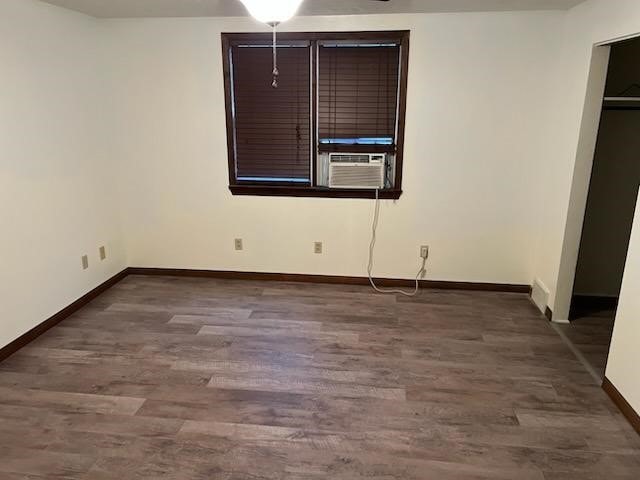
372, 245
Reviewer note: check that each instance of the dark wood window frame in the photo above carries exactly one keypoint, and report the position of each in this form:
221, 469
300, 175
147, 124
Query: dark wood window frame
263, 189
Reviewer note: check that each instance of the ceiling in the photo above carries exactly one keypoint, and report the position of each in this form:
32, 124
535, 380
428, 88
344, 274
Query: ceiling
224, 8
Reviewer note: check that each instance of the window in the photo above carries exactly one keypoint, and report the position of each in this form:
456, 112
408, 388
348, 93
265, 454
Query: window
333, 127
272, 126
358, 94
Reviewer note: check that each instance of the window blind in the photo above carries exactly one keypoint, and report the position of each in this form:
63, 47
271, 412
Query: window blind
358, 93
272, 126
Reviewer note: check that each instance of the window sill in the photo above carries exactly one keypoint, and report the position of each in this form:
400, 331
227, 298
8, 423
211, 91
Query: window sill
318, 192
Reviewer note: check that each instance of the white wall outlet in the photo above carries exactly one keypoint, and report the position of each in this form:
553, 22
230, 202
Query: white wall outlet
424, 251
317, 247
85, 262
103, 253
238, 244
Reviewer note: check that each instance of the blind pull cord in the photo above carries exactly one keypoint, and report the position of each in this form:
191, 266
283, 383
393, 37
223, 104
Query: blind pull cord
274, 84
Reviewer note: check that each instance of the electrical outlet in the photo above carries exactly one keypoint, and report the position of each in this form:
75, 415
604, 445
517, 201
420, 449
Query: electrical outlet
103, 253
317, 247
238, 244
424, 251
85, 262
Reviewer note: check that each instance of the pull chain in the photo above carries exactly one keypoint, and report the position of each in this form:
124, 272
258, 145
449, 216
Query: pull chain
274, 84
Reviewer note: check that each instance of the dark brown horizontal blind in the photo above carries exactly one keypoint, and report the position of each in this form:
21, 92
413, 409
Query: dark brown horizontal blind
272, 125
358, 92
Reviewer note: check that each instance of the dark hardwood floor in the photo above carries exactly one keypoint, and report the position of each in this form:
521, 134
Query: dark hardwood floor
193, 378
591, 335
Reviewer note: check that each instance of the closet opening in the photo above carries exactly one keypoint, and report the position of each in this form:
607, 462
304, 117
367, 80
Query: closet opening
610, 207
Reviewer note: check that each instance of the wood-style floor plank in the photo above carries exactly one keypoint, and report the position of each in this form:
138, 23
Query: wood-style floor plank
194, 378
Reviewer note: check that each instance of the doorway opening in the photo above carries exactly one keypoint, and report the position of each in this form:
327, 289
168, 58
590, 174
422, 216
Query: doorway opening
610, 208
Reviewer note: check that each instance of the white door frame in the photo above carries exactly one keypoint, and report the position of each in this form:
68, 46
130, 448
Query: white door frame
580, 182
582, 175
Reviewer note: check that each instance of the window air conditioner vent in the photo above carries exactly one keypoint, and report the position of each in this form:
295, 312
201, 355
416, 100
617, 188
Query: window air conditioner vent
352, 170
350, 158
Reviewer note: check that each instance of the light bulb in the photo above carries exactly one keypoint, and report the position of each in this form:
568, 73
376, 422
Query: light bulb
272, 11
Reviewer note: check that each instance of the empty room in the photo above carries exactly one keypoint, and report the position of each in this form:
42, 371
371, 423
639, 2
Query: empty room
319, 239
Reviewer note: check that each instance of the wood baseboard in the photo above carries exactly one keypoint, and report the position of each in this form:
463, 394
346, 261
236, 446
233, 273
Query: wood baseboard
334, 279
52, 321
627, 410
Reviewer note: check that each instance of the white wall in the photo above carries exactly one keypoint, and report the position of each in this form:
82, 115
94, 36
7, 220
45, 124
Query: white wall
622, 364
477, 113
55, 171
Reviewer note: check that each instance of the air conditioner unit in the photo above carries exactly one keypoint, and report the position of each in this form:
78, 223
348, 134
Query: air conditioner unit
357, 170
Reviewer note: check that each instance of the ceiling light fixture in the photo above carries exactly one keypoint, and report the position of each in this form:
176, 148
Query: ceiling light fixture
272, 13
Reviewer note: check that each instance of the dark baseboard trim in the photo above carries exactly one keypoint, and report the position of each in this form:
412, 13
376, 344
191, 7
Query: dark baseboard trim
627, 410
55, 319
548, 313
334, 279
52, 321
